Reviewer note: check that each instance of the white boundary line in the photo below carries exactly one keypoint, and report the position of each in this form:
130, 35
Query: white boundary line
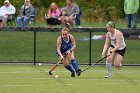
16, 85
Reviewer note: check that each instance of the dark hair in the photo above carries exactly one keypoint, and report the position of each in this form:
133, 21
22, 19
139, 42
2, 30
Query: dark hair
71, 0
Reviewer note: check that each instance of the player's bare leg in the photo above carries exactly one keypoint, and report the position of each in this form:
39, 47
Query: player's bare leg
118, 61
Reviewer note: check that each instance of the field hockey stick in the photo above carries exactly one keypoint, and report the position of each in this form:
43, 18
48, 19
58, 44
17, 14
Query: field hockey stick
53, 68
95, 63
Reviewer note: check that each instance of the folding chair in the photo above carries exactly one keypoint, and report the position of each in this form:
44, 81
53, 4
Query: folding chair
11, 22
32, 17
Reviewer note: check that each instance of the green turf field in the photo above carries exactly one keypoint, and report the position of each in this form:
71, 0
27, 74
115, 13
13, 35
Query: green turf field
35, 79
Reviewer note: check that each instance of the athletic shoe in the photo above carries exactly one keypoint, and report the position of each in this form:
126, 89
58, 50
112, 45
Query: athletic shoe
107, 76
68, 25
78, 26
72, 74
78, 72
119, 68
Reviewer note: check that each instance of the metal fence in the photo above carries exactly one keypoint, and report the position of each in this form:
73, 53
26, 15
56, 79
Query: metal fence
35, 44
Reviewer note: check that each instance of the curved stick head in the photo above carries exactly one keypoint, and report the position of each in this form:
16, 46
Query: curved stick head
50, 72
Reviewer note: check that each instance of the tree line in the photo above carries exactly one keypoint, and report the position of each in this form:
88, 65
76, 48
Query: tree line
92, 10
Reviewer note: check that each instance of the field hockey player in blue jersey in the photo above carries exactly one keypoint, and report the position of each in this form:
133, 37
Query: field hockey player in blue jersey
66, 45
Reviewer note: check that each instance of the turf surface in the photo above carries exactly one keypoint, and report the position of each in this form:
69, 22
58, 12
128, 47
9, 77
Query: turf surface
35, 79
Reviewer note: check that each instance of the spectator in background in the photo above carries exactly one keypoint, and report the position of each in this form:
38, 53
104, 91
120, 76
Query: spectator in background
53, 17
131, 8
6, 13
71, 10
25, 12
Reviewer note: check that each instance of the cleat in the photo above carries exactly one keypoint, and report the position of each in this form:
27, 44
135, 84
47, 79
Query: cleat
107, 76
78, 72
72, 74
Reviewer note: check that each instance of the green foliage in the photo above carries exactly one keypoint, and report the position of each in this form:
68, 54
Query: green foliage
93, 10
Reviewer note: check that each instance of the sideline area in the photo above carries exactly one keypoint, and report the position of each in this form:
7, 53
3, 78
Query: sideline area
82, 29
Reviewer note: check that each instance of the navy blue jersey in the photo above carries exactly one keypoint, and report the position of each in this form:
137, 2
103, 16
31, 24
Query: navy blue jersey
65, 45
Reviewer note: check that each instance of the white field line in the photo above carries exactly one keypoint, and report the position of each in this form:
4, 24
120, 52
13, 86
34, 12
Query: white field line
67, 84
76, 78
28, 71
16, 85
58, 71
32, 78
108, 84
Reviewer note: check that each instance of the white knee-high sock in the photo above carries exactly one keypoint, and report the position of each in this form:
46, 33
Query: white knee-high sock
108, 68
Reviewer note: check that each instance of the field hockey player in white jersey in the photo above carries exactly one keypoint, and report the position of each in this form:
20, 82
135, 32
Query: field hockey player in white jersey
115, 45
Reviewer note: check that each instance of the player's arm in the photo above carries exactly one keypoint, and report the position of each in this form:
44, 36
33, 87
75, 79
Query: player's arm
58, 47
118, 40
106, 45
73, 43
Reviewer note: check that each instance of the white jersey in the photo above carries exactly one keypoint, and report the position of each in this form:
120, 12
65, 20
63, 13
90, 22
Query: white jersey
114, 41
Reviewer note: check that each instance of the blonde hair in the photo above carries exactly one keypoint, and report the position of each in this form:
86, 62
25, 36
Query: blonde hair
27, 0
53, 9
65, 29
